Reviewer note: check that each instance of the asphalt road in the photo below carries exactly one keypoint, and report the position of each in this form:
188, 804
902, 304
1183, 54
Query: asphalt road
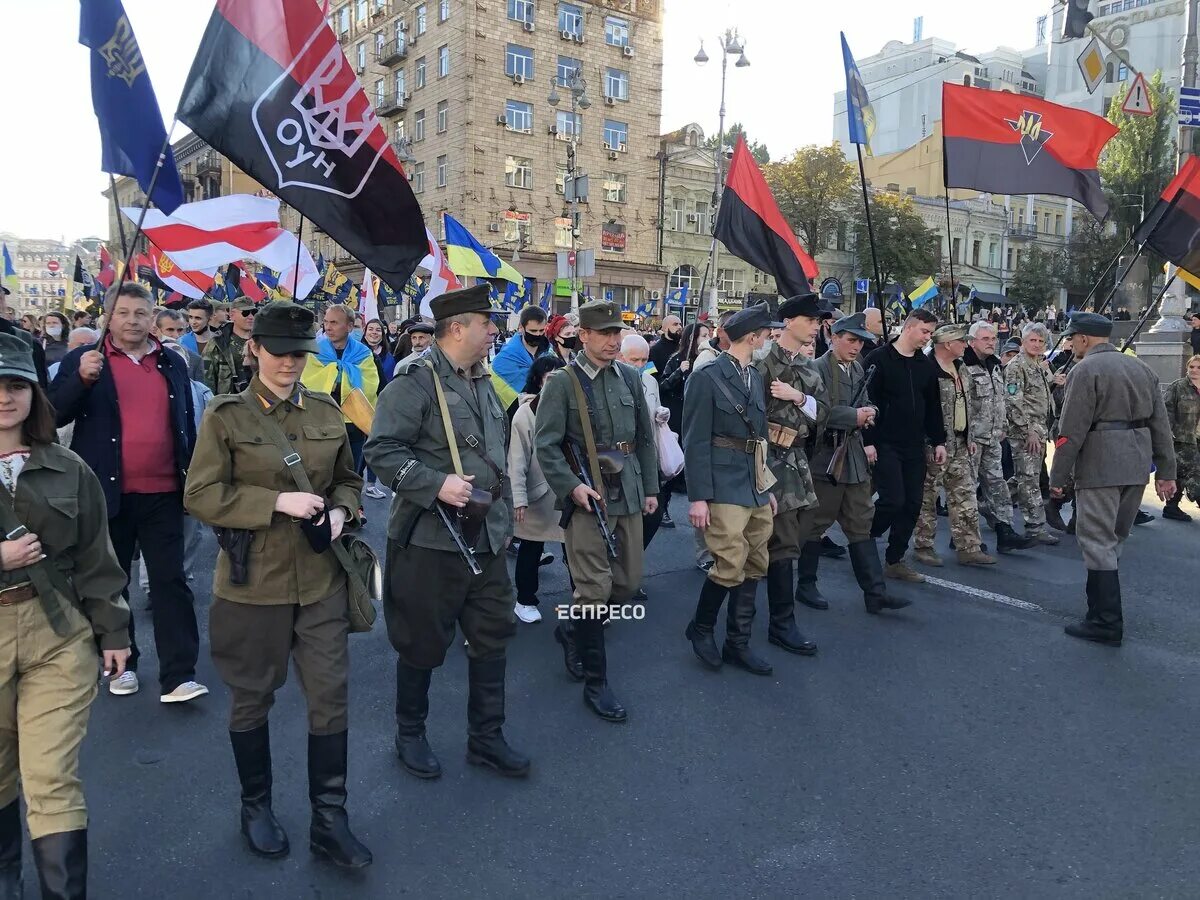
961, 748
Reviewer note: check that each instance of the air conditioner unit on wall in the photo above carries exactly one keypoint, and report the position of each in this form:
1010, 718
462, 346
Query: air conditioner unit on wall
518, 79
529, 26
654, 295
627, 51
501, 120
493, 227
610, 101
568, 36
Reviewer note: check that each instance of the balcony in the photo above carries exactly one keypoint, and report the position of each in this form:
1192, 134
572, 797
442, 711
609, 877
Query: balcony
1023, 231
393, 104
209, 163
393, 52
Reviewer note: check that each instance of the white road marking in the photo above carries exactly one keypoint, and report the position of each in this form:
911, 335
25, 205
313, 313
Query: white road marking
982, 594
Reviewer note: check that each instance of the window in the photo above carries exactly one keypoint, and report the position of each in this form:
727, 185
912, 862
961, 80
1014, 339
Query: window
519, 116
401, 37
380, 5
518, 61
612, 237
615, 134
570, 20
731, 282
443, 10
443, 61
518, 172
399, 133
684, 278
401, 86
344, 20
518, 228
976, 248
566, 68
421, 19
562, 232
699, 219
616, 32
380, 43
419, 125
1010, 259
1122, 72
380, 92
954, 250
418, 178
441, 171
1046, 222
842, 242
678, 214
1058, 224
616, 84
421, 72
443, 116
520, 10
615, 187
569, 124
361, 53
992, 255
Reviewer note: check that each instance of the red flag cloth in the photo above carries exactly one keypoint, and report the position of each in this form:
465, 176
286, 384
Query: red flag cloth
190, 284
1016, 144
752, 228
1172, 227
107, 273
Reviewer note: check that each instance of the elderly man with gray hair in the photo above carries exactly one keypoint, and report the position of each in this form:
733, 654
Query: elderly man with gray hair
1027, 398
635, 351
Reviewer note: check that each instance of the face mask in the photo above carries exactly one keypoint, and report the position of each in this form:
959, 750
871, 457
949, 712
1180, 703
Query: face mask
538, 342
55, 331
763, 351
357, 334
571, 343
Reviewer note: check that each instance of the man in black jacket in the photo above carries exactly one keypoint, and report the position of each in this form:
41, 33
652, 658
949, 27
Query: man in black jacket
667, 344
905, 392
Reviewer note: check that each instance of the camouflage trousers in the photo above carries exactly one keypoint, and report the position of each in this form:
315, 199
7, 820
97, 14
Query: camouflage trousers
988, 472
1187, 461
1028, 475
957, 476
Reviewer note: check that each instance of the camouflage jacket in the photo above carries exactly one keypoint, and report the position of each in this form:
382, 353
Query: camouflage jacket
1027, 393
947, 392
794, 489
223, 369
1183, 409
985, 398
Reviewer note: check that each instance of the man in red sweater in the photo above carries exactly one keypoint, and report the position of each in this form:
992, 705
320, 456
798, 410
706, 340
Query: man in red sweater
131, 402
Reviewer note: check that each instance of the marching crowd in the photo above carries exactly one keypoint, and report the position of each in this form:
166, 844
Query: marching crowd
776, 423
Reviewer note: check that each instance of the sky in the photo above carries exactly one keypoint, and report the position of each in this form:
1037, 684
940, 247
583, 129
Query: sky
50, 181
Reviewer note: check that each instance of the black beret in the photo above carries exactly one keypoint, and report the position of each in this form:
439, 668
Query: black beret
467, 300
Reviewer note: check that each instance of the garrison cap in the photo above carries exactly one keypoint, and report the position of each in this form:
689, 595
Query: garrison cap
1092, 324
950, 332
419, 328
855, 324
283, 327
473, 299
600, 315
809, 305
747, 321
16, 358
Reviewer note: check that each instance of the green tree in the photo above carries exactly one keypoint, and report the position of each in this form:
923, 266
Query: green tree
908, 250
812, 188
1090, 248
1139, 161
1038, 279
757, 150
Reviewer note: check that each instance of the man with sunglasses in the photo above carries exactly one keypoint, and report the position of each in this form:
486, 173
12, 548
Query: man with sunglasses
224, 369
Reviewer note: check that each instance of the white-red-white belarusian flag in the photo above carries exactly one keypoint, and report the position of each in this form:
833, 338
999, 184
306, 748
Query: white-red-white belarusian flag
211, 233
441, 279
192, 285
368, 303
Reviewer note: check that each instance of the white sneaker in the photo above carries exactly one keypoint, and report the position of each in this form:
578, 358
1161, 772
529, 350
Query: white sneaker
528, 614
375, 492
189, 690
126, 684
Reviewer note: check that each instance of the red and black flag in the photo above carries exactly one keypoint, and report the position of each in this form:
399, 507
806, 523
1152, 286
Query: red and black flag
752, 228
272, 90
1172, 228
1015, 144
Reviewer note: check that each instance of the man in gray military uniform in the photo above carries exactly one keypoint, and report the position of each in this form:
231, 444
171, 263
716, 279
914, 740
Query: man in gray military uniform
596, 406
441, 437
1113, 427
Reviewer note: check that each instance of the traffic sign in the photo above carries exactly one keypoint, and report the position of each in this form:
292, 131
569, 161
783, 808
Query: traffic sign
53, 265
1091, 64
1137, 101
861, 285
1189, 97
571, 259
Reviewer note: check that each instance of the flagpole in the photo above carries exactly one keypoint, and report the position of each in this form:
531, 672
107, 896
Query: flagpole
1149, 310
862, 179
953, 310
299, 245
112, 184
202, 291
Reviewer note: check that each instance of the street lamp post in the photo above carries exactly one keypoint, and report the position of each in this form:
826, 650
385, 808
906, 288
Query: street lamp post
731, 45
576, 84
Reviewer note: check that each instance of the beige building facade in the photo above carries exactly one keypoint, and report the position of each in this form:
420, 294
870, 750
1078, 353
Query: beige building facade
44, 268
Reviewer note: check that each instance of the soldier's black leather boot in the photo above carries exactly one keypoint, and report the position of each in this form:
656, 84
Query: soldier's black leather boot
738, 620
330, 834
412, 707
806, 576
486, 745
782, 606
252, 754
1008, 540
10, 851
1103, 623
868, 571
62, 862
700, 629
589, 638
564, 633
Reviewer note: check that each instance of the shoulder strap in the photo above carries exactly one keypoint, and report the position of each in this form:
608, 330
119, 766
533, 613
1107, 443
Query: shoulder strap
45, 577
741, 410
585, 422
444, 408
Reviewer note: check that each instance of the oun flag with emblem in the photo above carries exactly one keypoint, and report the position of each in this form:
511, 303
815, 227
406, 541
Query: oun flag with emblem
271, 89
1015, 144
1172, 228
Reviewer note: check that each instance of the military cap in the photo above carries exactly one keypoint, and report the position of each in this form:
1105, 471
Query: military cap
809, 305
1092, 324
419, 328
855, 324
746, 321
467, 300
16, 358
283, 327
600, 315
243, 303
218, 304
1011, 346
950, 332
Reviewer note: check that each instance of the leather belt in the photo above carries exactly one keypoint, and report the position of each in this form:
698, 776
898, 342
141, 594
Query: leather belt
17, 594
625, 447
1120, 426
742, 445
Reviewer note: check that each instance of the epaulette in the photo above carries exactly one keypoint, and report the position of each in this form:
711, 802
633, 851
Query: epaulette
223, 400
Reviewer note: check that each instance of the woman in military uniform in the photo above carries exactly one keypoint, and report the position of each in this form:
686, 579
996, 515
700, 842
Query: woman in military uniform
275, 596
60, 584
1183, 408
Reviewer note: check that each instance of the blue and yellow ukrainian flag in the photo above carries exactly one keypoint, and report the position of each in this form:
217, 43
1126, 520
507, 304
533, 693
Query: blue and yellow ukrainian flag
8, 274
923, 293
466, 256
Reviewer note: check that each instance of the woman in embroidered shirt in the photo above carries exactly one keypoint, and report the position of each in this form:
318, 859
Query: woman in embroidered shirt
60, 595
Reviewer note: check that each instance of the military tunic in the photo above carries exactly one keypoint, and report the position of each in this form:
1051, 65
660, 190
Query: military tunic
620, 419
989, 422
429, 586
794, 490
294, 601
1027, 396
